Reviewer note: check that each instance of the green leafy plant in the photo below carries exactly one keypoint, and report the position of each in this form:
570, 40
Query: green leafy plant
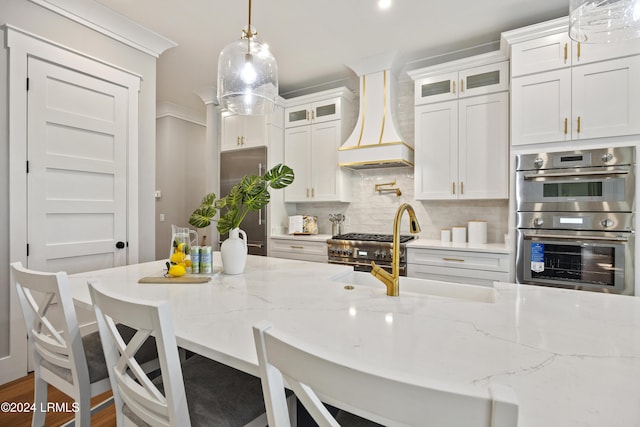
250, 194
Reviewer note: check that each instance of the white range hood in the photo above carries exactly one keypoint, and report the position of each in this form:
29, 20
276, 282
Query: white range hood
375, 141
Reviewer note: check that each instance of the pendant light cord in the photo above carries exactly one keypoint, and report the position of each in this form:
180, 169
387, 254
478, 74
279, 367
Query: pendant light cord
249, 34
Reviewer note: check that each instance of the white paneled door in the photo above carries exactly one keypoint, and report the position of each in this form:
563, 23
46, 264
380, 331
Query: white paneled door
77, 166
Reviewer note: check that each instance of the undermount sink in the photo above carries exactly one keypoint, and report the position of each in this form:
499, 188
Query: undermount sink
414, 286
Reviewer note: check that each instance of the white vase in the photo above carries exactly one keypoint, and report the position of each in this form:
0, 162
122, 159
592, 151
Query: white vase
234, 252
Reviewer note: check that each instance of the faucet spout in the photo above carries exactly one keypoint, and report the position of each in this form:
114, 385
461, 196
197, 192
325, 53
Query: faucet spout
392, 281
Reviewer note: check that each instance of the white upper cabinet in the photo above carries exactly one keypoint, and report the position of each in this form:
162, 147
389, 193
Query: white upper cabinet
462, 144
316, 125
459, 84
558, 51
541, 107
543, 54
566, 91
462, 148
239, 131
316, 112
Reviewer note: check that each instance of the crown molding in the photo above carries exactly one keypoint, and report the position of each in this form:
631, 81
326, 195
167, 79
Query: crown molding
106, 21
169, 109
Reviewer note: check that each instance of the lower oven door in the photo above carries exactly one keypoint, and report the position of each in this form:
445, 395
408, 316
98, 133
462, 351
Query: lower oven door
598, 261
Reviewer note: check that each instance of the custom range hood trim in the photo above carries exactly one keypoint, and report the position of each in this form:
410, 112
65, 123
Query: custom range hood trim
356, 153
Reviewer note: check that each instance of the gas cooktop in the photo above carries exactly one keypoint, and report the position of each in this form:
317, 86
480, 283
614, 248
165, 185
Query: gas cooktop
366, 237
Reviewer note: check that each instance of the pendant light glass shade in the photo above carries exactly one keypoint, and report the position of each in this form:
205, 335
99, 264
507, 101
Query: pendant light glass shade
247, 75
604, 21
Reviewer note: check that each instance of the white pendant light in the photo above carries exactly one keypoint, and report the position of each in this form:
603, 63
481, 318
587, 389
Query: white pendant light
604, 21
247, 75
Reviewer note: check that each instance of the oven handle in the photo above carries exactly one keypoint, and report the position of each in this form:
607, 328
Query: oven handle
566, 174
565, 237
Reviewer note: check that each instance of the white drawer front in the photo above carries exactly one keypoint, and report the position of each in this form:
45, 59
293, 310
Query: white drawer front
459, 259
466, 276
292, 246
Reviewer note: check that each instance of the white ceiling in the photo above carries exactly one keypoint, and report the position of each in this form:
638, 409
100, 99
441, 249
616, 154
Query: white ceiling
313, 40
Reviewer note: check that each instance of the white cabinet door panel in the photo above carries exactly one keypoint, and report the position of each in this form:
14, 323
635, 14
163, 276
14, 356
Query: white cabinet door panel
606, 98
483, 142
324, 160
436, 150
542, 54
296, 148
540, 107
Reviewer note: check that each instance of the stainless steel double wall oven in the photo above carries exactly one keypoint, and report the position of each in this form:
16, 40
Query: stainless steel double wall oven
575, 219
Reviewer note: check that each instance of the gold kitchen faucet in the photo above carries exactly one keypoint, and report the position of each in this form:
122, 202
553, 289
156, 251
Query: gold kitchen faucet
392, 280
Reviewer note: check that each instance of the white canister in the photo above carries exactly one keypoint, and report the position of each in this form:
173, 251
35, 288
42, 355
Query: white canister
445, 235
477, 231
459, 234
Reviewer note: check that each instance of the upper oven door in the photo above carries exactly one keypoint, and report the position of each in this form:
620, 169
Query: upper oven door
582, 189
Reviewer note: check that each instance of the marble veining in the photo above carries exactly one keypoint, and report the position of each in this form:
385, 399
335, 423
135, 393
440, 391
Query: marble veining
572, 357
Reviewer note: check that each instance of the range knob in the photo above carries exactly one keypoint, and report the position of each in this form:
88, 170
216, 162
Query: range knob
538, 222
607, 222
607, 157
538, 162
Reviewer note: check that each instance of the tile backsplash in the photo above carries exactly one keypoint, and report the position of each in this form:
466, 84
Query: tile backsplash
373, 212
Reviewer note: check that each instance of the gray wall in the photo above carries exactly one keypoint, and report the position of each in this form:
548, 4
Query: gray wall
180, 177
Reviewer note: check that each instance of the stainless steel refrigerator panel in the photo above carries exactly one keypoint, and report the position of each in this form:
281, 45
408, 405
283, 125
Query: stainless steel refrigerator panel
234, 165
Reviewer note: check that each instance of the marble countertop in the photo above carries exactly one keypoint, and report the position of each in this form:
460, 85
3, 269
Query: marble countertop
472, 247
572, 357
308, 237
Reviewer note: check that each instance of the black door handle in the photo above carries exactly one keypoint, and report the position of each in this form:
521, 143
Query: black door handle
120, 245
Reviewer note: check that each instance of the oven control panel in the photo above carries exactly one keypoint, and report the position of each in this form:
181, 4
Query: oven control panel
588, 221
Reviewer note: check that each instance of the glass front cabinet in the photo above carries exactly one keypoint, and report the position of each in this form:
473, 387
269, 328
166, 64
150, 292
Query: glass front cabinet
459, 84
317, 112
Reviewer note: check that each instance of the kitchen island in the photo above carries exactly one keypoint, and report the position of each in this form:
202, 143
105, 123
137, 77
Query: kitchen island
572, 357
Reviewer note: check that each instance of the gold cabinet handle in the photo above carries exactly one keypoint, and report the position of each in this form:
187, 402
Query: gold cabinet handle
461, 85
566, 125
307, 193
307, 115
313, 114
453, 259
454, 87
242, 140
461, 187
578, 124
453, 188
566, 52
238, 141
579, 50
313, 192
296, 247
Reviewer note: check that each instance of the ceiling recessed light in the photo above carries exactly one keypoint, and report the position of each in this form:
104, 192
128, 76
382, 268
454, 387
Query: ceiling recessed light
384, 4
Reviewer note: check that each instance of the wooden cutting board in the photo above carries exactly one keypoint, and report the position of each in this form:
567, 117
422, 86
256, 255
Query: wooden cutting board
181, 279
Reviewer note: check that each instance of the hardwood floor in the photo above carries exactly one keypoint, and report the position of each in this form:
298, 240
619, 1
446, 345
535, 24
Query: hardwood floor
21, 391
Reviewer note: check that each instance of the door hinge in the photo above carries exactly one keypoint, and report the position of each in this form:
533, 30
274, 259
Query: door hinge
27, 83
27, 249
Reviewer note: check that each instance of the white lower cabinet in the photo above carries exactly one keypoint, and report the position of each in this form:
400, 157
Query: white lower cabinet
451, 265
296, 248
